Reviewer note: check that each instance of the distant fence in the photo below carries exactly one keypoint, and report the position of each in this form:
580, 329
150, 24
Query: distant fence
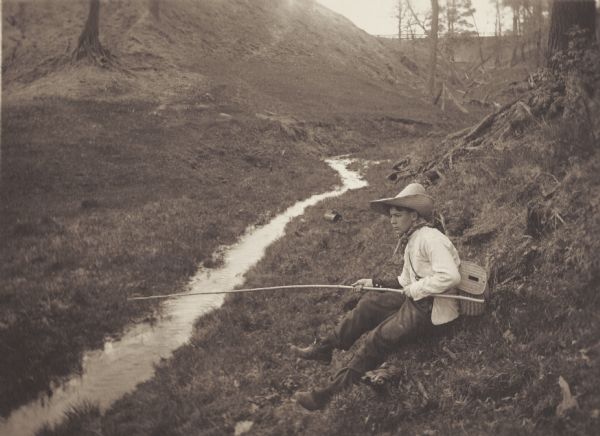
425, 35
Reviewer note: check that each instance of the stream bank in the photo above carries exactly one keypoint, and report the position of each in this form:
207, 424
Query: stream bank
235, 365
102, 200
110, 373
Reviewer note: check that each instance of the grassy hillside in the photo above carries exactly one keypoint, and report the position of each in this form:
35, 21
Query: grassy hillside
278, 55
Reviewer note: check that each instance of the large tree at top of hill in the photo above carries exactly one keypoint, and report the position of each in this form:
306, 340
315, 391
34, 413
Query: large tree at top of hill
89, 43
564, 16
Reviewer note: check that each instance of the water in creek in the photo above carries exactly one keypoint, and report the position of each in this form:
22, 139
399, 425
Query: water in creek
116, 369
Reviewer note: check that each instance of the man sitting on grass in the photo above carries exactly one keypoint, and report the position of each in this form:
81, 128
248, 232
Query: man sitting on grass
392, 318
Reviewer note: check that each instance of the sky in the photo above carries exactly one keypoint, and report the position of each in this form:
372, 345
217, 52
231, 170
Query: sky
377, 17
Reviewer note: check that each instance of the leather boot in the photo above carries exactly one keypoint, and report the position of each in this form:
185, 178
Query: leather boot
319, 398
320, 350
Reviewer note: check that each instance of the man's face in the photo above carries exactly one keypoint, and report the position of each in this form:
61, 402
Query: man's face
401, 220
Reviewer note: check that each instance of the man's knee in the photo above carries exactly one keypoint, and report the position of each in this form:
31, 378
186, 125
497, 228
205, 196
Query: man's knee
363, 307
364, 303
371, 300
404, 326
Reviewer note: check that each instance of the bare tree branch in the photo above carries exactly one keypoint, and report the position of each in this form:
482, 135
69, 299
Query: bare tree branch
416, 18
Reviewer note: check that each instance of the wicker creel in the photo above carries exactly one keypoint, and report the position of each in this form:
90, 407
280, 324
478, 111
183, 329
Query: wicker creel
473, 282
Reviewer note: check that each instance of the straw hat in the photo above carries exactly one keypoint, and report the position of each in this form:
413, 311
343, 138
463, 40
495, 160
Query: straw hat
412, 197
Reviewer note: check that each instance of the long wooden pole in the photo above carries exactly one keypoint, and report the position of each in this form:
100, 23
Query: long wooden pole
273, 288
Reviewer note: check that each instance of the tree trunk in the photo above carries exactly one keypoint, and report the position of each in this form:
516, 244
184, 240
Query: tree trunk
498, 20
400, 20
154, 6
538, 20
566, 14
89, 43
515, 11
451, 17
498, 33
435, 12
523, 23
597, 27
479, 41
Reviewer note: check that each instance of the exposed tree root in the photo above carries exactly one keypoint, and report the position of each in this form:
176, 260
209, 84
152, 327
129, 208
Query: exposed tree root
93, 50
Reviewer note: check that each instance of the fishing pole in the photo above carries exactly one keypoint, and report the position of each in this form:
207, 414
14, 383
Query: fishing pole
273, 288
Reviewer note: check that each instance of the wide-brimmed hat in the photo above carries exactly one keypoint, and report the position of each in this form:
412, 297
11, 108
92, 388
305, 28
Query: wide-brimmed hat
412, 197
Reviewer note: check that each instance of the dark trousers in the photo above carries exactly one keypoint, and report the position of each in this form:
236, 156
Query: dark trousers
391, 320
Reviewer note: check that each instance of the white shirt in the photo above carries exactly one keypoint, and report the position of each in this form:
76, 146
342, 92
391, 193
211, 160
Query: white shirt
435, 260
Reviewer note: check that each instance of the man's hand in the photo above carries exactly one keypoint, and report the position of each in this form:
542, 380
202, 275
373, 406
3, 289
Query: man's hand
351, 299
359, 284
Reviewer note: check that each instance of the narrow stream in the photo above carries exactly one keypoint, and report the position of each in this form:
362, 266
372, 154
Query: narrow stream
116, 369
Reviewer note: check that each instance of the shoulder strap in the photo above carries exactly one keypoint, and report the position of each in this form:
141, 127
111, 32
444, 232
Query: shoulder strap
417, 276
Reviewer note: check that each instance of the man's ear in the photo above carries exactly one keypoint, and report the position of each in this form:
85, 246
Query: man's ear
414, 215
